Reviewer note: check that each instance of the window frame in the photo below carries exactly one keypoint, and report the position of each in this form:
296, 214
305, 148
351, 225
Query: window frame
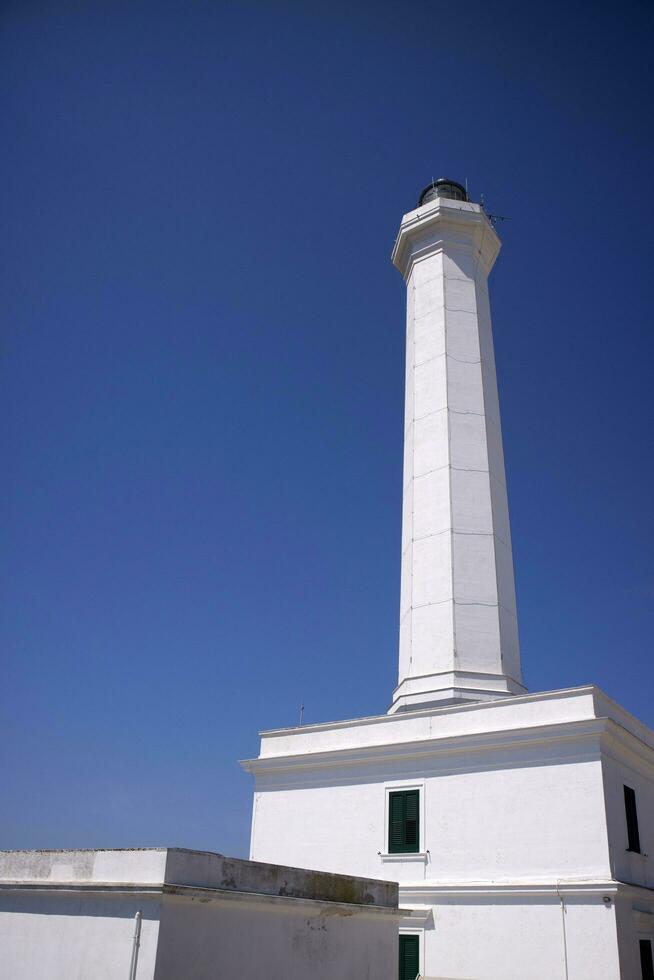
404, 821
421, 853
420, 933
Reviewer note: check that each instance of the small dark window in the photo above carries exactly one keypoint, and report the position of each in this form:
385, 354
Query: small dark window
409, 957
404, 822
646, 964
632, 819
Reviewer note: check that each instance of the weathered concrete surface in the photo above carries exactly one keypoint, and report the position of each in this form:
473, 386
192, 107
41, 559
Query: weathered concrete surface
138, 865
216, 871
199, 869
203, 916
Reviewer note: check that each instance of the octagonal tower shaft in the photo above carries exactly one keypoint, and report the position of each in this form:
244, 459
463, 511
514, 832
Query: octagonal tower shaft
458, 623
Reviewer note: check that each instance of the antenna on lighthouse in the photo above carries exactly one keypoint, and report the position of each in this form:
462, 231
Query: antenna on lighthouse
493, 218
301, 713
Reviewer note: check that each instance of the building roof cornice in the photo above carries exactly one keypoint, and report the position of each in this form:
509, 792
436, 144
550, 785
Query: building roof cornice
434, 748
457, 709
555, 725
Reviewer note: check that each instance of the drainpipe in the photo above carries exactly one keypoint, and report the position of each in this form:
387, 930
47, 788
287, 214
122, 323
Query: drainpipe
136, 942
565, 938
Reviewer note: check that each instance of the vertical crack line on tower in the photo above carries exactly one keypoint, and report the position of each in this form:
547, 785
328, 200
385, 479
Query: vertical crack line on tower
455, 653
412, 313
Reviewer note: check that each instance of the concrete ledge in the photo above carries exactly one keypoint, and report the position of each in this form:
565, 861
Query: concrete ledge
181, 872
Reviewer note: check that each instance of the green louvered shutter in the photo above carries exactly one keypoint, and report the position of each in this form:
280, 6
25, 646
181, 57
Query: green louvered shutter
404, 822
411, 834
396, 823
409, 957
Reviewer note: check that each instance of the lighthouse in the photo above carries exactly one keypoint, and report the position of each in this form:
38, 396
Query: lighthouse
518, 825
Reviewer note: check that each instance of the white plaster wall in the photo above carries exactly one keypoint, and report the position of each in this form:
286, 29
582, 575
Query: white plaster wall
522, 939
500, 816
69, 937
274, 941
329, 828
628, 941
637, 869
65, 937
632, 927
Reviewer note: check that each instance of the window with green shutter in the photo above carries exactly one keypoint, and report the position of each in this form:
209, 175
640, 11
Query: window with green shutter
633, 836
409, 957
404, 822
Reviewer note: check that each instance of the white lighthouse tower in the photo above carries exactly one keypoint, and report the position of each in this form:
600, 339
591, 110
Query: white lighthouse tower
519, 826
458, 623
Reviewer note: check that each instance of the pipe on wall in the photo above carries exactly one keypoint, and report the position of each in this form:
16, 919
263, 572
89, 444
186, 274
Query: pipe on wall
136, 942
565, 937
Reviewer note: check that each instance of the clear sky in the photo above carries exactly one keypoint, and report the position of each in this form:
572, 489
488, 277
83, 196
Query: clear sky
202, 388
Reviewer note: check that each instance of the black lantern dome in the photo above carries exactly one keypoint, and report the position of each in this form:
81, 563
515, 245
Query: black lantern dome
443, 187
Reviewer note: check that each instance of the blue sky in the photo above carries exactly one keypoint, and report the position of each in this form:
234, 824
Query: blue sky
203, 374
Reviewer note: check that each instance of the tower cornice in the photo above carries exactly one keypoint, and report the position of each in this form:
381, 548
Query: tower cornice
458, 222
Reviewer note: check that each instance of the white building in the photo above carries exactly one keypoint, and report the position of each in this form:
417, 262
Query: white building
171, 914
517, 825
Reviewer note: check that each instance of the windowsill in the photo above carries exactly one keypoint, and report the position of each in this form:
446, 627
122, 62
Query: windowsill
640, 854
408, 856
